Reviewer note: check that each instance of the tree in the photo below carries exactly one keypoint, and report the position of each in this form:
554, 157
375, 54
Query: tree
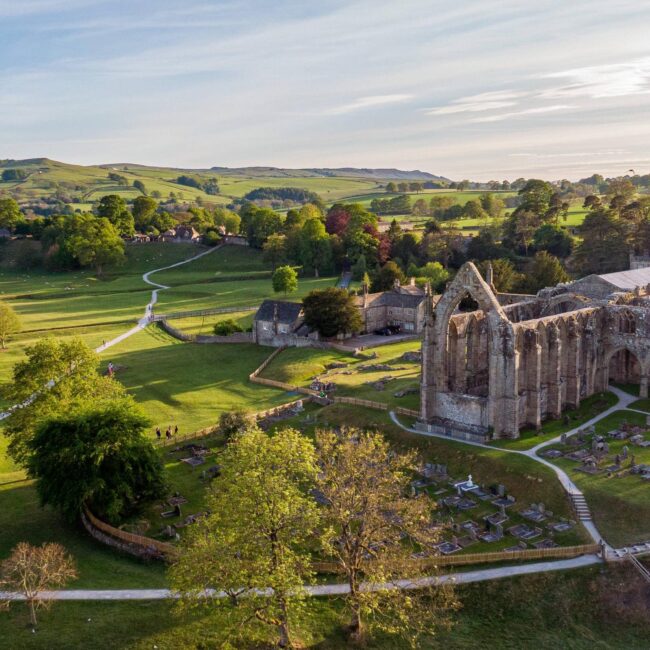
371, 528
113, 208
252, 544
603, 248
144, 208
285, 279
10, 214
56, 377
504, 275
32, 570
226, 327
316, 252
232, 423
535, 197
9, 324
391, 188
98, 244
474, 210
545, 270
331, 311
359, 268
387, 276
554, 240
139, 185
337, 219
275, 250
492, 204
96, 456
435, 273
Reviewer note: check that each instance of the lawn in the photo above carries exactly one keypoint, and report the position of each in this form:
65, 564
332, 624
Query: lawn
76, 303
620, 506
298, 366
189, 384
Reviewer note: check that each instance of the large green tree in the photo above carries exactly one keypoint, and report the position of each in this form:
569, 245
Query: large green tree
10, 214
113, 208
285, 280
96, 456
275, 250
56, 376
316, 252
9, 323
604, 247
387, 276
144, 208
332, 311
371, 528
97, 243
253, 545
545, 270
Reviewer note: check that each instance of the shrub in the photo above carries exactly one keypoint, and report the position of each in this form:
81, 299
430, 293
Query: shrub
227, 327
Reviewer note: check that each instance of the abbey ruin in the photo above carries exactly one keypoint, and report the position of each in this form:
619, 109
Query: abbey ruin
515, 361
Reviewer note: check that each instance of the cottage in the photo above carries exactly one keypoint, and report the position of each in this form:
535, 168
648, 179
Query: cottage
181, 234
274, 319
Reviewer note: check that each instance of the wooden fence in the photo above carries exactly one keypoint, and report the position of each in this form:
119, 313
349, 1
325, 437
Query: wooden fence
379, 406
560, 552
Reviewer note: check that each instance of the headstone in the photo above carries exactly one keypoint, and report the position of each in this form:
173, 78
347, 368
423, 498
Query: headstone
541, 507
625, 452
501, 490
563, 438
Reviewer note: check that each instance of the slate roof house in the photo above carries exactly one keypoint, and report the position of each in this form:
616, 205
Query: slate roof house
276, 318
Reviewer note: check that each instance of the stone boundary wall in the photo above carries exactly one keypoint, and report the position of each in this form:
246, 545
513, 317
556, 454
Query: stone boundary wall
203, 312
237, 337
145, 548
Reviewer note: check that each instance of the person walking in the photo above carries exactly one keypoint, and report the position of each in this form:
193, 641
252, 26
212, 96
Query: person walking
158, 434
176, 430
168, 433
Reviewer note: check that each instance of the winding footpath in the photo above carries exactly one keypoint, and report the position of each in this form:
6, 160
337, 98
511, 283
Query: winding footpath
574, 493
142, 322
480, 575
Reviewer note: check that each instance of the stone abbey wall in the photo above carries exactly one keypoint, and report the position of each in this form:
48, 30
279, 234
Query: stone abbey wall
502, 368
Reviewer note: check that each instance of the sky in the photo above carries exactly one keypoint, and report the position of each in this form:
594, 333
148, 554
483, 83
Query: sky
479, 89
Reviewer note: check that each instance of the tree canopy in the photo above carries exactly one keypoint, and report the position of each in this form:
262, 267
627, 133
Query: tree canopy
9, 323
285, 280
96, 456
331, 311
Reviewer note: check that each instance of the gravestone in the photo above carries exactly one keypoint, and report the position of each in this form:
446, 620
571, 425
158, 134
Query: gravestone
501, 489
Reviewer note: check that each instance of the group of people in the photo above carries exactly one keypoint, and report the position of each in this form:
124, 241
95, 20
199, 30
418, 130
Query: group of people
168, 433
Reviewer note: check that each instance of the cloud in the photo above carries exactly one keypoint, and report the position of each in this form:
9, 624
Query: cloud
528, 111
478, 103
369, 102
601, 81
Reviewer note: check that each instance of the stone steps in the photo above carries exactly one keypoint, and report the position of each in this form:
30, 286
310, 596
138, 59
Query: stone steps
581, 507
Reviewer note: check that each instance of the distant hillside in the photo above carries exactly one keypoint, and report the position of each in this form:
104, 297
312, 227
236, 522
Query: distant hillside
83, 185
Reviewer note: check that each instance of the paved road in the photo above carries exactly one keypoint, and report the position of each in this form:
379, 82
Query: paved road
479, 575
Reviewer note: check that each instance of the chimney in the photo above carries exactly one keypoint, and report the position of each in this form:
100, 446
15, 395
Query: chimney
275, 318
365, 295
412, 281
396, 284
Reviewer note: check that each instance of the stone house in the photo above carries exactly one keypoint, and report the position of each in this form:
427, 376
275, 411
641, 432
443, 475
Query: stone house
181, 234
402, 306
276, 319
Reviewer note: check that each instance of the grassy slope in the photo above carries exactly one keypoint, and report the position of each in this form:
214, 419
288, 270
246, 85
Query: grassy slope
299, 365
190, 384
76, 303
575, 610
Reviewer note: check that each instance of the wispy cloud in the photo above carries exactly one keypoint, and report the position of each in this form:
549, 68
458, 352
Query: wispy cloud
540, 110
477, 103
601, 81
369, 102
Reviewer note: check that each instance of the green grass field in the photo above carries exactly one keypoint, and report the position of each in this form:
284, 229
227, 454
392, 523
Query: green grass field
298, 366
